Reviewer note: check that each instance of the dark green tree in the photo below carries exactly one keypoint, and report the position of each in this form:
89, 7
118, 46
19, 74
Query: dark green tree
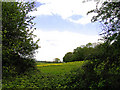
89, 45
78, 54
18, 47
108, 64
109, 16
68, 57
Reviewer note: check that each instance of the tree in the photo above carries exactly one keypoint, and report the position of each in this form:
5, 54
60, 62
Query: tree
17, 35
89, 45
68, 57
84, 52
57, 60
108, 64
103, 71
109, 16
78, 54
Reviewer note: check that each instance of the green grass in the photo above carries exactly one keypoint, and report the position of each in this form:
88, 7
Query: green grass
50, 76
65, 68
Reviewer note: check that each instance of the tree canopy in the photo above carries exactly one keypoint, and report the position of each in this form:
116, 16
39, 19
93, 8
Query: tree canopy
84, 52
18, 47
109, 16
56, 60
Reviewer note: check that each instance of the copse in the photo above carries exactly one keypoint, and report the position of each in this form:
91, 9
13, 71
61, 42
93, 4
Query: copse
18, 47
84, 52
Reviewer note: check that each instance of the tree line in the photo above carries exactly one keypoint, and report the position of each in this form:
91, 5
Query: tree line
84, 52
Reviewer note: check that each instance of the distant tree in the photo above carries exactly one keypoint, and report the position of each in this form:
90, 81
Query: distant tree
56, 60
68, 57
84, 52
89, 45
78, 54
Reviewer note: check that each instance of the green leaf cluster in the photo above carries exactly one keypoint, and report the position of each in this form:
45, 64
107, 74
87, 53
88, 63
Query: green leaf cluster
18, 47
109, 17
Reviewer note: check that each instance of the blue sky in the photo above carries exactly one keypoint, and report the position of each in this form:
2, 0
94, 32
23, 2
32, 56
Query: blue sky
62, 26
49, 23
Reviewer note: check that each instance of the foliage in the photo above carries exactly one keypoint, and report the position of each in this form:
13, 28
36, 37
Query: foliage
18, 47
90, 76
48, 77
81, 53
57, 60
68, 57
106, 63
102, 71
109, 16
71, 75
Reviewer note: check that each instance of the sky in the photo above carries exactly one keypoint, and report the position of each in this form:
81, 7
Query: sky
62, 26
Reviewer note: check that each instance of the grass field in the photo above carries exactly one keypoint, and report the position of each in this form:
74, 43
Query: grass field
50, 75
58, 68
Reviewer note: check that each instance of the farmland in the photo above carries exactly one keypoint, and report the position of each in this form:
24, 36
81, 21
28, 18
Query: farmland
58, 68
48, 75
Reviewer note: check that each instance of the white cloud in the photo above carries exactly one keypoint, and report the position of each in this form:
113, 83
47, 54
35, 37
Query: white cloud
66, 9
55, 44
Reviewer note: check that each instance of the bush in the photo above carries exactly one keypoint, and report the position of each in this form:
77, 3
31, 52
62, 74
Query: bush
8, 71
92, 76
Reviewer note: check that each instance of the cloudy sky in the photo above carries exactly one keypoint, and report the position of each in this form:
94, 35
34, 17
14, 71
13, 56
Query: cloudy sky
62, 25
